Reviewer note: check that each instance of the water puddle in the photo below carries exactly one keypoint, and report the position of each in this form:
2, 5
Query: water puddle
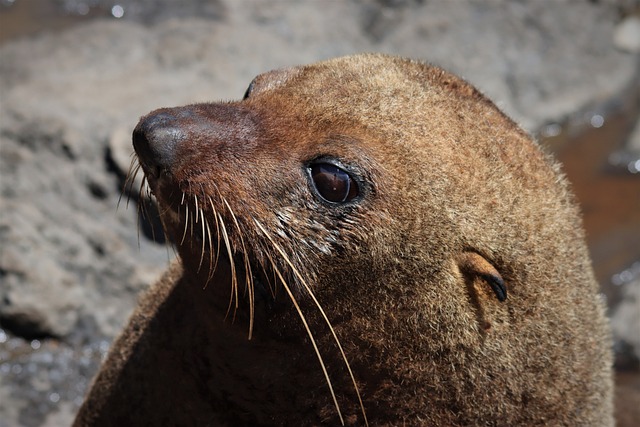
602, 170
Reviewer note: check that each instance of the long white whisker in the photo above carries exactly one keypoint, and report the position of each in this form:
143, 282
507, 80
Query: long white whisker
215, 263
191, 223
186, 223
311, 337
205, 237
215, 216
140, 211
234, 279
324, 316
248, 275
134, 168
204, 240
197, 209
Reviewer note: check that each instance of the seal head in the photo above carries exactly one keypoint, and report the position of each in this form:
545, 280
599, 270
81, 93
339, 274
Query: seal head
401, 251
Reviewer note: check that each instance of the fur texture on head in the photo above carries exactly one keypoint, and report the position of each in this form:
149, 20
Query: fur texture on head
394, 245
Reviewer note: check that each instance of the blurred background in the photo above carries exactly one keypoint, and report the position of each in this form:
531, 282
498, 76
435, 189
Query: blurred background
75, 76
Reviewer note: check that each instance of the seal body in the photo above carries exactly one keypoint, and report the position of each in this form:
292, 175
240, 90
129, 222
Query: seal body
362, 240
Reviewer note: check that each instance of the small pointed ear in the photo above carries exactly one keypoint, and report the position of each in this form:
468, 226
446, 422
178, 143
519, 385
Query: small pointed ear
270, 80
474, 265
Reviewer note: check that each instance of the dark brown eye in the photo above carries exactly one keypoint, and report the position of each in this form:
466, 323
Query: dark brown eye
332, 183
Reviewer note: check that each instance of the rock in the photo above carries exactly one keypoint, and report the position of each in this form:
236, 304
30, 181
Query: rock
634, 139
72, 264
627, 35
627, 158
625, 317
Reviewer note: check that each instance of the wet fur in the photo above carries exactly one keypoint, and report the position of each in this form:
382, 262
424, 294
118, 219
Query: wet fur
454, 199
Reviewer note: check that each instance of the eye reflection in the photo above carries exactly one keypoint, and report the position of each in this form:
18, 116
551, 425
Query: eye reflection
333, 183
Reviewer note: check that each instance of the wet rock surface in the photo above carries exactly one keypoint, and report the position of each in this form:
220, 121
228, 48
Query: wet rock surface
72, 263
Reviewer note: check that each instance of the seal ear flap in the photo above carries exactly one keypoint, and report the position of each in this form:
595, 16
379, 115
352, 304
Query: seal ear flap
270, 80
473, 265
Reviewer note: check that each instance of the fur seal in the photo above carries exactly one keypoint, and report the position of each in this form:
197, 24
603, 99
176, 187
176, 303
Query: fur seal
365, 240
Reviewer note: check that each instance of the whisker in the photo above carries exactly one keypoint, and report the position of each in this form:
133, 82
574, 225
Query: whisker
247, 268
234, 279
167, 242
210, 240
307, 329
186, 222
139, 215
197, 209
132, 172
324, 315
204, 240
270, 280
135, 170
142, 208
153, 229
191, 223
215, 216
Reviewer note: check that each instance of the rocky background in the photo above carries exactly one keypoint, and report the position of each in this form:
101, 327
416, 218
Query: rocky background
72, 262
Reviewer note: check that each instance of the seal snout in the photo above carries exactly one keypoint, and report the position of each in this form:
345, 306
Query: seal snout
155, 140
164, 138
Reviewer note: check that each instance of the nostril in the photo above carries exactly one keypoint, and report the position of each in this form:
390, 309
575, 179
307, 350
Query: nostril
155, 140
141, 144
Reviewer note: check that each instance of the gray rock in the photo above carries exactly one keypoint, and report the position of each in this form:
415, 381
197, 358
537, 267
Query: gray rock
71, 264
627, 35
634, 139
626, 320
625, 317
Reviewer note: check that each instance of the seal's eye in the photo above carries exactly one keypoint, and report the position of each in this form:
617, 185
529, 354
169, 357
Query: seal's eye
332, 183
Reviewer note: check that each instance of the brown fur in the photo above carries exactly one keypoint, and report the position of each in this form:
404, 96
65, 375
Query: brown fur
455, 200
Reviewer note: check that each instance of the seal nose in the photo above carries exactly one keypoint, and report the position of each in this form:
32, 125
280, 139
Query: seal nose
155, 139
